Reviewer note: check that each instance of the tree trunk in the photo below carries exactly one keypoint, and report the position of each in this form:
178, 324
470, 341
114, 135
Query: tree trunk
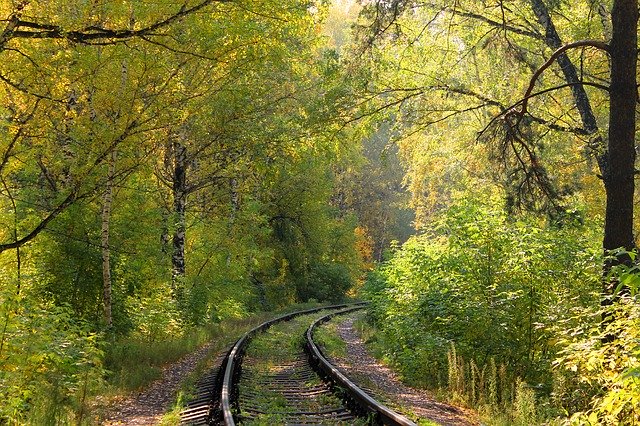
235, 206
619, 180
179, 208
164, 234
580, 97
107, 200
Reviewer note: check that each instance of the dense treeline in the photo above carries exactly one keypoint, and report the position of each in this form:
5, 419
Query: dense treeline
165, 167
516, 120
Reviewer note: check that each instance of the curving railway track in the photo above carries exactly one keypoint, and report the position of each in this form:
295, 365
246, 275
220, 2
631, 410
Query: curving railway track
275, 374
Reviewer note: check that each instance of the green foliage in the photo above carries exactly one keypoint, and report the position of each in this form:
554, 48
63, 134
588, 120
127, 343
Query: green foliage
442, 72
244, 94
50, 364
133, 361
524, 405
599, 367
327, 337
313, 247
327, 282
494, 286
71, 272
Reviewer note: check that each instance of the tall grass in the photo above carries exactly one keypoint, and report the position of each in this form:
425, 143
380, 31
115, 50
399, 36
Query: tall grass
499, 398
135, 361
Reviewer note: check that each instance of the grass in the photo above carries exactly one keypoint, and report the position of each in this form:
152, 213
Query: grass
326, 336
488, 415
279, 345
426, 422
334, 347
133, 362
280, 342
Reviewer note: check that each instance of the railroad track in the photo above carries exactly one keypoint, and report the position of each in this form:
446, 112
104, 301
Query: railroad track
271, 378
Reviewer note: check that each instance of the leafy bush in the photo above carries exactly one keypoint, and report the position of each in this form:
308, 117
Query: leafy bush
599, 367
328, 282
49, 363
492, 285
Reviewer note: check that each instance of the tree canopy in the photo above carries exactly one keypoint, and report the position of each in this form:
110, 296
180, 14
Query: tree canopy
166, 166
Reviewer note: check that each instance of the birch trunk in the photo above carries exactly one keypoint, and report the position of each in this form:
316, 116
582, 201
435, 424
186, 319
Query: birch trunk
107, 201
179, 207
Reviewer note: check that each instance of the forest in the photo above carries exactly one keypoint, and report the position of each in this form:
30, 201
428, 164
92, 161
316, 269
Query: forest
171, 169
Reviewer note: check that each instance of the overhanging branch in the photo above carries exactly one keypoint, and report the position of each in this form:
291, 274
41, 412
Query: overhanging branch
582, 43
19, 28
511, 110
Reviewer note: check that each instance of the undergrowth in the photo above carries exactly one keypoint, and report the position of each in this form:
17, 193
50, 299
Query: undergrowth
135, 361
326, 336
478, 305
335, 348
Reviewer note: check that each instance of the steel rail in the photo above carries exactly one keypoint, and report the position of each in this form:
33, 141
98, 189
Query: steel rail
381, 413
228, 396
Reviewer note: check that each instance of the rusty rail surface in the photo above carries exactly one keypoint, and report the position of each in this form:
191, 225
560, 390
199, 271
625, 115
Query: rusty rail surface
377, 412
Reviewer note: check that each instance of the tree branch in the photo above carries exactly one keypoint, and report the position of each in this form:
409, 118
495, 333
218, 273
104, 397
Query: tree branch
18, 28
70, 199
511, 110
496, 24
582, 43
8, 152
19, 87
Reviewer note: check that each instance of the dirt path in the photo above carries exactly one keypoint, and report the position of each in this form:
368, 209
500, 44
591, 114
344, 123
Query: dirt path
362, 367
147, 407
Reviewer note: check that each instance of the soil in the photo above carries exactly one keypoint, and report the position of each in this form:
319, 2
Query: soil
148, 406
369, 373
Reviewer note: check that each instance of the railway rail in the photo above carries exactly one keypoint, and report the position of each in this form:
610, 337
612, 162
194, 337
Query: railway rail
302, 389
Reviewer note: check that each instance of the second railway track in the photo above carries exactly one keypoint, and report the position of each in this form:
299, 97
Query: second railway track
270, 377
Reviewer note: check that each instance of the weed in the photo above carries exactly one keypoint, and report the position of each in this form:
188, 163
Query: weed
328, 338
274, 353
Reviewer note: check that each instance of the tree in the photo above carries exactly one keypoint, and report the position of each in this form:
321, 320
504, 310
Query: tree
516, 140
374, 191
122, 122
24, 20
619, 159
33, 33
619, 181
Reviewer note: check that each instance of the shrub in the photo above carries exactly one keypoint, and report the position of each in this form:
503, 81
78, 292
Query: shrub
494, 286
49, 363
599, 368
328, 282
